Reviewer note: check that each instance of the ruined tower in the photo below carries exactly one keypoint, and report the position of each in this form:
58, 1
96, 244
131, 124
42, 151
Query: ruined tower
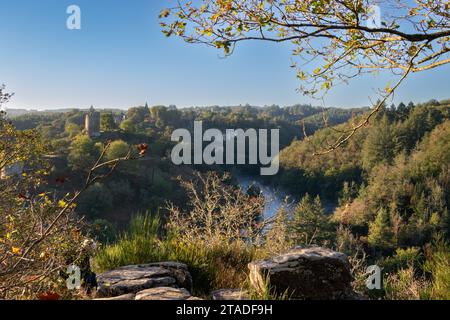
92, 123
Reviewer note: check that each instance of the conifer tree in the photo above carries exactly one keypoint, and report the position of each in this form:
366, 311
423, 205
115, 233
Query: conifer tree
379, 145
380, 231
309, 223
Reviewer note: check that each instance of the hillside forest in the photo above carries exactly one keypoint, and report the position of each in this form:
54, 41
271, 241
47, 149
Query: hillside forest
382, 198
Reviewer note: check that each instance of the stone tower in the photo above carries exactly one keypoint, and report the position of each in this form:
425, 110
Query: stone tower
92, 123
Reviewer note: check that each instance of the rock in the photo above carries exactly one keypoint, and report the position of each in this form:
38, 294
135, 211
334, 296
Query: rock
163, 293
136, 278
230, 294
179, 271
305, 273
195, 299
129, 296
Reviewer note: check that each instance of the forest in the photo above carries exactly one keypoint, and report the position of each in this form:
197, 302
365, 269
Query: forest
93, 206
386, 190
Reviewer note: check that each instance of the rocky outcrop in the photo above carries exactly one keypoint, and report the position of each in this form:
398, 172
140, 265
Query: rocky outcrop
230, 294
137, 278
312, 273
305, 273
179, 271
160, 293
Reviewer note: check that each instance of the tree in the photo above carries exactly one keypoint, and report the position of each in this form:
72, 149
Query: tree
128, 126
98, 199
138, 114
117, 149
40, 234
277, 238
309, 223
82, 153
338, 36
72, 129
379, 146
380, 231
107, 122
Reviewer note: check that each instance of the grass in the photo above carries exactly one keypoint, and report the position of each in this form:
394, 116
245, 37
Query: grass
218, 265
267, 291
211, 266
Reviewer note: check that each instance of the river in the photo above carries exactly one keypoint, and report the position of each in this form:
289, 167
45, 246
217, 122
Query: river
274, 198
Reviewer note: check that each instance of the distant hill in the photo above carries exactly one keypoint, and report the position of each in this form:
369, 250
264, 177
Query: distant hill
18, 112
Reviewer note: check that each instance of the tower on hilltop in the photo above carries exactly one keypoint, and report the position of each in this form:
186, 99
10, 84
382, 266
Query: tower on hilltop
92, 123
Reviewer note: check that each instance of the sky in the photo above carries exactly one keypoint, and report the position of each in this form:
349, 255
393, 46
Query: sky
120, 59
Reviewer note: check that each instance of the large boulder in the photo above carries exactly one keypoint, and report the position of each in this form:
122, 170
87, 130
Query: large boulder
312, 273
136, 278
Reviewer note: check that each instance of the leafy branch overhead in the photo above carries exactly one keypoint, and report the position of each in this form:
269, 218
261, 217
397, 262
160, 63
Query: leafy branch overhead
332, 41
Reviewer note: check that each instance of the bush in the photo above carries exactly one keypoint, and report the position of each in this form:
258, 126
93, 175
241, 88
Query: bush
103, 231
96, 200
117, 149
438, 264
402, 259
404, 285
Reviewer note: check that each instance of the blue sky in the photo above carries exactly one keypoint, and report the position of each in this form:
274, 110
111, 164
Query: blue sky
120, 59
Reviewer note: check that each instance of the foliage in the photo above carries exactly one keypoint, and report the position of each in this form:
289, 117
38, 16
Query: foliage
95, 200
103, 231
309, 225
344, 38
107, 122
380, 231
267, 292
379, 145
438, 264
217, 213
277, 238
212, 267
128, 126
72, 129
334, 41
83, 153
39, 233
402, 259
404, 285
117, 149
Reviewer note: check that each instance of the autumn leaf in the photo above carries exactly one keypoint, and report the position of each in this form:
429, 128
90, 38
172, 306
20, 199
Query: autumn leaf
142, 148
23, 196
164, 13
16, 251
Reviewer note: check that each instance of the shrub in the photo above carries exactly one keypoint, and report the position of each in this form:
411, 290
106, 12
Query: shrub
404, 285
402, 259
438, 264
217, 213
96, 200
103, 231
